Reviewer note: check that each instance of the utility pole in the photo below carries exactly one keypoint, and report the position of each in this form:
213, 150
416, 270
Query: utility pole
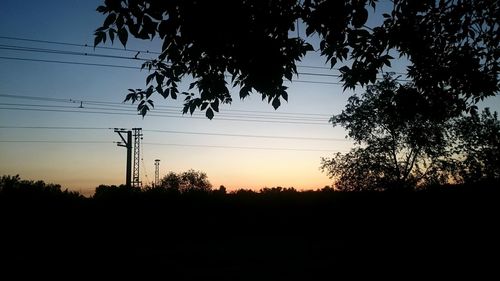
157, 172
136, 180
127, 144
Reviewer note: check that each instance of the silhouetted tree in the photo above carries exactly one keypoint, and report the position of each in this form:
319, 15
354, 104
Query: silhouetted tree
115, 192
452, 46
171, 182
190, 180
194, 180
399, 142
15, 186
221, 191
478, 145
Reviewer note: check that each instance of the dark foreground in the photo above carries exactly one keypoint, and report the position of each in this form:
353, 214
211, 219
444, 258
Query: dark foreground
440, 234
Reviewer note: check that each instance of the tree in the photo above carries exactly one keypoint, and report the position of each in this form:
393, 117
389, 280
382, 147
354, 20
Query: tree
195, 180
452, 46
171, 181
399, 143
190, 180
478, 146
33, 190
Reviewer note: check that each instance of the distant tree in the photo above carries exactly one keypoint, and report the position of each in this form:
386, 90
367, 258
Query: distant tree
14, 185
195, 180
221, 191
171, 182
190, 180
452, 46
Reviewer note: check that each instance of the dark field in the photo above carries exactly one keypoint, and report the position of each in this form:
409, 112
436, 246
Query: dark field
439, 234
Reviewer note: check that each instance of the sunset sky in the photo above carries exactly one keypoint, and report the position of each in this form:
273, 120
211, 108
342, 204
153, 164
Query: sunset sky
46, 135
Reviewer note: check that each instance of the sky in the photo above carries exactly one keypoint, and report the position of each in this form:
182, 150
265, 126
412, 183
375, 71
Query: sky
56, 111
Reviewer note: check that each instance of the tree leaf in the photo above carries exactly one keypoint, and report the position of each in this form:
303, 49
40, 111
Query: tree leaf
101, 9
284, 94
159, 89
276, 103
191, 86
204, 105
111, 33
150, 77
123, 36
209, 113
100, 36
360, 17
215, 105
110, 19
192, 107
149, 91
159, 78
245, 92
144, 110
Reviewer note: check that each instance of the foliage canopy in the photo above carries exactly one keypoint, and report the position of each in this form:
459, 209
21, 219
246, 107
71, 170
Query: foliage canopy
452, 46
190, 180
400, 144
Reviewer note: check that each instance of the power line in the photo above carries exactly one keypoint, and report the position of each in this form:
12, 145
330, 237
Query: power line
76, 45
114, 104
174, 144
54, 128
136, 50
133, 58
241, 147
35, 98
62, 52
51, 141
245, 135
113, 65
126, 67
161, 115
70, 62
317, 82
177, 132
169, 112
132, 50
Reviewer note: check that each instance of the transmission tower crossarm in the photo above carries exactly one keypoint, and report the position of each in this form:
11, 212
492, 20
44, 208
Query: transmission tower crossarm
127, 144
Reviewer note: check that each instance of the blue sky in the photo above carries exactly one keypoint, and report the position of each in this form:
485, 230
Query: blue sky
233, 161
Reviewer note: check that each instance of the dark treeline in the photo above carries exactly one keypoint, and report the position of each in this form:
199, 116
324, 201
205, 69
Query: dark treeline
275, 234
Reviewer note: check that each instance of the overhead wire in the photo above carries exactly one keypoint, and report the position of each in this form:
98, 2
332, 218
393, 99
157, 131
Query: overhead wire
176, 132
130, 50
62, 52
157, 107
75, 44
163, 115
70, 62
52, 141
139, 68
173, 144
169, 111
242, 147
244, 135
